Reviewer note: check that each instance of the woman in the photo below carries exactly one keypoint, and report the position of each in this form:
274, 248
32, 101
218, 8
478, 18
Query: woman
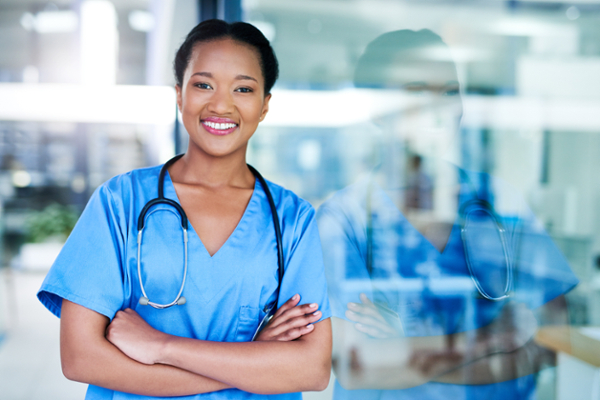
224, 75
456, 283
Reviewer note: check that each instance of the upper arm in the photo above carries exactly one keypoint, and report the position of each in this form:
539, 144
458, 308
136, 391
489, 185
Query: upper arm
304, 270
89, 269
87, 356
319, 343
81, 335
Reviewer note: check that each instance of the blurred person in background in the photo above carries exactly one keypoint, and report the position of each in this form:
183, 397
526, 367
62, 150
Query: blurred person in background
202, 347
438, 277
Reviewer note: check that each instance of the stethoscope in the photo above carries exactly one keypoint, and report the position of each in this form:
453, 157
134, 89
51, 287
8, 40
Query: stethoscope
161, 199
467, 210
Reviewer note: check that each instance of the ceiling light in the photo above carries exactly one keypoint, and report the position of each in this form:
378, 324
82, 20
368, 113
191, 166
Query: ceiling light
142, 21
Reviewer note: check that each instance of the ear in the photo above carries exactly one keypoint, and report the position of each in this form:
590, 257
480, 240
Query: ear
179, 96
265, 108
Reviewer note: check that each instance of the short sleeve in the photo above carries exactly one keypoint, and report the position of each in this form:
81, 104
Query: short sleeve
541, 270
88, 270
304, 271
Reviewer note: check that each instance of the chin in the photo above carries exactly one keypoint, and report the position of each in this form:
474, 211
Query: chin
218, 151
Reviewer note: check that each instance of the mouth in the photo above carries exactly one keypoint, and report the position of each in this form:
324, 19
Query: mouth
219, 126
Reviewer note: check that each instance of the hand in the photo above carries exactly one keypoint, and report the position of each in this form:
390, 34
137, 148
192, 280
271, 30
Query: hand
290, 321
369, 319
513, 328
435, 363
135, 338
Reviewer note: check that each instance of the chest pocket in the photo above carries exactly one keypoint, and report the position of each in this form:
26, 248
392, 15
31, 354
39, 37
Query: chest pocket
248, 320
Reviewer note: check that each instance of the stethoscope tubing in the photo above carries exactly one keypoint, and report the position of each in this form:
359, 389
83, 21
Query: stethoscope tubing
483, 206
486, 207
179, 299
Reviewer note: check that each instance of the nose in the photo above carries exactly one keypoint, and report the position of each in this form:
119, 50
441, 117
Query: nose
221, 102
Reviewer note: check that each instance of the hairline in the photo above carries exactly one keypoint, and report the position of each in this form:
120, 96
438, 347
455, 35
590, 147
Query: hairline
228, 36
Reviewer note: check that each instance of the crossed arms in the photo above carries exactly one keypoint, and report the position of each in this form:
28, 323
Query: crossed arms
370, 354
290, 355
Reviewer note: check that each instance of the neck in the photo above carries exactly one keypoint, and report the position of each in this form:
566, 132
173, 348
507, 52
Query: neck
199, 168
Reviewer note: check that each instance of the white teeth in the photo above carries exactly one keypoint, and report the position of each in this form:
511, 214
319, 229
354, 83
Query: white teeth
219, 126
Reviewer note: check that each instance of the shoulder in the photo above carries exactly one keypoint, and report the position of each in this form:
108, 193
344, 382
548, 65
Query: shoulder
288, 203
348, 204
141, 177
119, 194
507, 200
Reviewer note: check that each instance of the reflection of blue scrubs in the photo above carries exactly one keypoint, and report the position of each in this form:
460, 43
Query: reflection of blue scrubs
225, 293
432, 292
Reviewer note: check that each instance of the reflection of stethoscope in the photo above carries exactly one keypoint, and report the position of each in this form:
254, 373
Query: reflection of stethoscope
466, 212
180, 300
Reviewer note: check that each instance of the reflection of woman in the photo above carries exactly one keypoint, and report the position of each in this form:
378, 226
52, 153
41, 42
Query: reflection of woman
224, 76
400, 274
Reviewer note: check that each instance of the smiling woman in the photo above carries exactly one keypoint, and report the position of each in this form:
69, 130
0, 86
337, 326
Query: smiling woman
205, 347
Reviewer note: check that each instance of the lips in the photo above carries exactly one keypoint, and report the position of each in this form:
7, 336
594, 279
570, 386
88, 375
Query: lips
219, 126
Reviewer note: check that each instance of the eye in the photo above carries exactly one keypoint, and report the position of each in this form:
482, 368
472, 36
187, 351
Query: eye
202, 85
244, 90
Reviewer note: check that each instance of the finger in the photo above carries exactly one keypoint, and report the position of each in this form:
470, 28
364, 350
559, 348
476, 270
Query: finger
293, 334
292, 302
294, 312
295, 323
365, 299
370, 330
370, 321
370, 310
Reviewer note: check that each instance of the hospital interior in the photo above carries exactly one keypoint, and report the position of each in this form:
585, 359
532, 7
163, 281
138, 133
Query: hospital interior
449, 148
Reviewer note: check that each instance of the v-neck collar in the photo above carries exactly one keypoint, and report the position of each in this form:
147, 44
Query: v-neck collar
239, 233
381, 198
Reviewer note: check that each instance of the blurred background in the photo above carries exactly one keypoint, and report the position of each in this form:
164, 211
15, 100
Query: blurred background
86, 92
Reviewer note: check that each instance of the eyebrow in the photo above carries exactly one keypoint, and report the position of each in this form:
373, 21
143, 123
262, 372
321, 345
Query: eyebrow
238, 77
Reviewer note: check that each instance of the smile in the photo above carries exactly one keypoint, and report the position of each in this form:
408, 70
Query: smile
219, 128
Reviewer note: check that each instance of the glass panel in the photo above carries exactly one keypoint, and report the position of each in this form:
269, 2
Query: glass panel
449, 149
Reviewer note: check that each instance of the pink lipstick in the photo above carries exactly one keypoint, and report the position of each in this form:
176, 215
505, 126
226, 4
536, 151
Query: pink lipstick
219, 126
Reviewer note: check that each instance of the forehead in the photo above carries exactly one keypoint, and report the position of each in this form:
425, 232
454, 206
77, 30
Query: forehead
429, 72
224, 56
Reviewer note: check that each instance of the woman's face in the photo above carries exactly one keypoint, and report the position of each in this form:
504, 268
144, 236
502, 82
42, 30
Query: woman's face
222, 97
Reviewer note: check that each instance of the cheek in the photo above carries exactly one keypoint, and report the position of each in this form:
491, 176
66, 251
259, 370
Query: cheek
193, 103
251, 111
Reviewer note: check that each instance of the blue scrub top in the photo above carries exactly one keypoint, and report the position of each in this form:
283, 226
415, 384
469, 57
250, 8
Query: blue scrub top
431, 291
226, 293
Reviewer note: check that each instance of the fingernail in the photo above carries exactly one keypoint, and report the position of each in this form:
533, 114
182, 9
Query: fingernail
352, 305
310, 326
316, 313
295, 297
313, 305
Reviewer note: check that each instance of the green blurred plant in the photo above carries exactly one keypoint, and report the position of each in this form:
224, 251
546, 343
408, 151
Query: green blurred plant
53, 223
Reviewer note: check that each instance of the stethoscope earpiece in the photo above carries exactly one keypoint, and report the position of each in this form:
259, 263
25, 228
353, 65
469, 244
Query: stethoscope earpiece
181, 301
143, 301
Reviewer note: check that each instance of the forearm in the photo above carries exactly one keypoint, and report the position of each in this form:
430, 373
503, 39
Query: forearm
86, 356
107, 367
258, 367
403, 362
500, 351
501, 367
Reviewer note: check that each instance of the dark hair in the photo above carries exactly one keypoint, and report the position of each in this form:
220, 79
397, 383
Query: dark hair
375, 68
214, 29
